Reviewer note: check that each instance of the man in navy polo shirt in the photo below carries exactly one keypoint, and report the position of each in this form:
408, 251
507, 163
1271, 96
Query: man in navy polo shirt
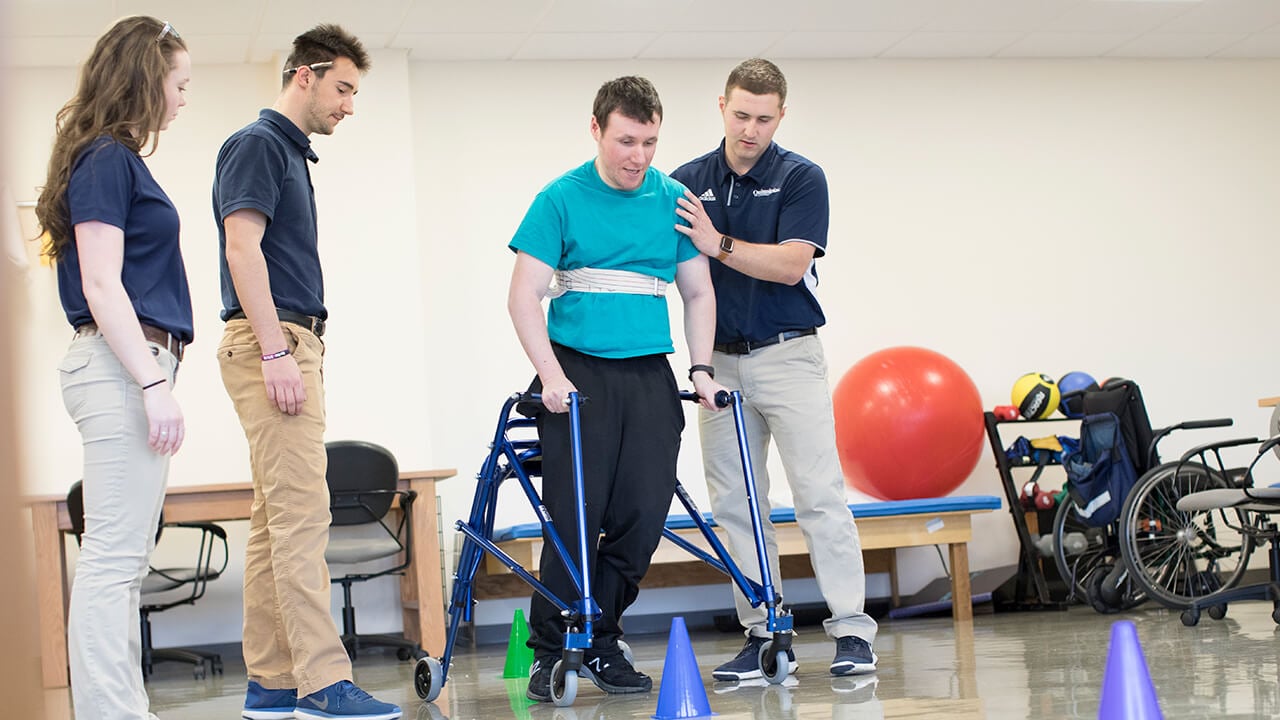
761, 212
271, 358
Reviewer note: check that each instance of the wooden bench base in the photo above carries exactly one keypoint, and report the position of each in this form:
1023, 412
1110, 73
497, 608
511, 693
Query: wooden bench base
881, 536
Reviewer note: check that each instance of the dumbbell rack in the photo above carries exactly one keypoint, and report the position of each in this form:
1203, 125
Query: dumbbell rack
1031, 590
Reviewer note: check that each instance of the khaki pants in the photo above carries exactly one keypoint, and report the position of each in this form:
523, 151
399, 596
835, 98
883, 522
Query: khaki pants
787, 398
124, 483
290, 639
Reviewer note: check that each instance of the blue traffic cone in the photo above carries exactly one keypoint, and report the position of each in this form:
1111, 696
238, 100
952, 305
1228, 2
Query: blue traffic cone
1127, 692
681, 694
519, 654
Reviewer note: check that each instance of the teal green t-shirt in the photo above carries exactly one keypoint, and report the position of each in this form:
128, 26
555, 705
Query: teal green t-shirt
578, 221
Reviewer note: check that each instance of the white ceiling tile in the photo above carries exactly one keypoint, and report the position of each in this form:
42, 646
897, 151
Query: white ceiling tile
1065, 45
612, 16
1227, 16
490, 16
585, 29
809, 15
360, 18
996, 16
225, 17
834, 44
875, 15
710, 45
584, 46
460, 46
1106, 16
1262, 45
1176, 45
951, 45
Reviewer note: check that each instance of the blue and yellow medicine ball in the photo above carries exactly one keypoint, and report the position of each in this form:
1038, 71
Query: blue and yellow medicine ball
1035, 395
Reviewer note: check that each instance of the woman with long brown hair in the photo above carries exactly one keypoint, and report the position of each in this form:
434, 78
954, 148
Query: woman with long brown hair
114, 235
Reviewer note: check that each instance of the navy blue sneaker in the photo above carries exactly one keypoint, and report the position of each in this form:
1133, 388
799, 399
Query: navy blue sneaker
746, 666
853, 656
263, 704
344, 701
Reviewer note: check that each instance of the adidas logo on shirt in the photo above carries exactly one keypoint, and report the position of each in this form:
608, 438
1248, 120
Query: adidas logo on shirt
707, 195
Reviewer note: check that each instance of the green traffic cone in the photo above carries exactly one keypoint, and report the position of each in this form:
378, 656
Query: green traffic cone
519, 654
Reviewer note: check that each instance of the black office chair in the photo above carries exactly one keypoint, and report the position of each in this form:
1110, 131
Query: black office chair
159, 584
362, 481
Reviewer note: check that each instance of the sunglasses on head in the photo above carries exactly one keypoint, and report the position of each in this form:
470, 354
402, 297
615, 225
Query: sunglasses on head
166, 31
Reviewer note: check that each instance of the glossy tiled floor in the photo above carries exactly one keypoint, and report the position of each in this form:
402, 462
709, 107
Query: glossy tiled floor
1008, 665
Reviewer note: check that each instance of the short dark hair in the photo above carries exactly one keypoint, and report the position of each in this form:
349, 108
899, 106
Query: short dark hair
633, 96
758, 77
325, 43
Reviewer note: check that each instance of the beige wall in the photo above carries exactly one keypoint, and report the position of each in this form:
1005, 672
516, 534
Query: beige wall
1109, 216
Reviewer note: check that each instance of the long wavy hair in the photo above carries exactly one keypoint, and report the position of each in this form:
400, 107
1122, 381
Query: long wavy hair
120, 95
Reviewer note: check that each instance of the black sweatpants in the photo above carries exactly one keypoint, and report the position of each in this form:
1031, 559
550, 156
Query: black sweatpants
631, 425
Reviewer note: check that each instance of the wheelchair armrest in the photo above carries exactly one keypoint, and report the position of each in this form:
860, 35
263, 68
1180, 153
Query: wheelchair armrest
1219, 445
1202, 424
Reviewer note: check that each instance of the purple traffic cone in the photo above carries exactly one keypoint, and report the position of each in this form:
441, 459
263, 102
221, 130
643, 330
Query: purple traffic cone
1127, 692
681, 694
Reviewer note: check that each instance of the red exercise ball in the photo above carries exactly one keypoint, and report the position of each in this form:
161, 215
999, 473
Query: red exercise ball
908, 424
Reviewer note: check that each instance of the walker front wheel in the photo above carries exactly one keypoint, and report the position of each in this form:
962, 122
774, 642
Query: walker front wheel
564, 685
428, 678
773, 665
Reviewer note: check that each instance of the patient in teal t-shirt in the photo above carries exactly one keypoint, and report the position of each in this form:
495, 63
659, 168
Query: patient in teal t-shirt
603, 236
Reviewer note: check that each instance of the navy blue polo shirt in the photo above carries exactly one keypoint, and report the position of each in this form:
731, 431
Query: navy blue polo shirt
263, 166
110, 184
782, 199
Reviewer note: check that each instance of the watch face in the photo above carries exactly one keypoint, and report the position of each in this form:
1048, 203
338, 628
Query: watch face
726, 244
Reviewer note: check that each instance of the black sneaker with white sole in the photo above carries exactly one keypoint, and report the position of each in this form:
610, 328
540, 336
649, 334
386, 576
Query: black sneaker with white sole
746, 666
540, 679
613, 674
853, 656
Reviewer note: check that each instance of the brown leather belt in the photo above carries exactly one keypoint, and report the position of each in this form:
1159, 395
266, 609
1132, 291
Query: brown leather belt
163, 338
314, 324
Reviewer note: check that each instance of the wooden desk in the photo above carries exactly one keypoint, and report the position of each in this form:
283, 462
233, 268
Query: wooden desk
421, 588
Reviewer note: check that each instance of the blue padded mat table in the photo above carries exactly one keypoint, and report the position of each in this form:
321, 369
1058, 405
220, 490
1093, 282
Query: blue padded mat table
883, 527
779, 515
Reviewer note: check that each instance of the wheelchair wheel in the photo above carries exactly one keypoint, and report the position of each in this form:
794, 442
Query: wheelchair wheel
1176, 556
1109, 589
1079, 549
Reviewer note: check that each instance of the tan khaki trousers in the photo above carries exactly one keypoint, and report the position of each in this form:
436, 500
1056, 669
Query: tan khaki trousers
290, 639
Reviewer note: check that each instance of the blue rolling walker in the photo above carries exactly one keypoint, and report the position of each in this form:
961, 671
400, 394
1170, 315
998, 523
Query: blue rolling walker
521, 459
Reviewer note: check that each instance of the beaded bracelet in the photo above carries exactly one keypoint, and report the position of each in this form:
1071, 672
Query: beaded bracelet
275, 355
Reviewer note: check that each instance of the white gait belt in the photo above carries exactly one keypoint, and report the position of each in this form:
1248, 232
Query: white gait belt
597, 280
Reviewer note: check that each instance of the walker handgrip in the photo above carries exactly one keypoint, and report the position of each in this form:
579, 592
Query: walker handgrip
722, 397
